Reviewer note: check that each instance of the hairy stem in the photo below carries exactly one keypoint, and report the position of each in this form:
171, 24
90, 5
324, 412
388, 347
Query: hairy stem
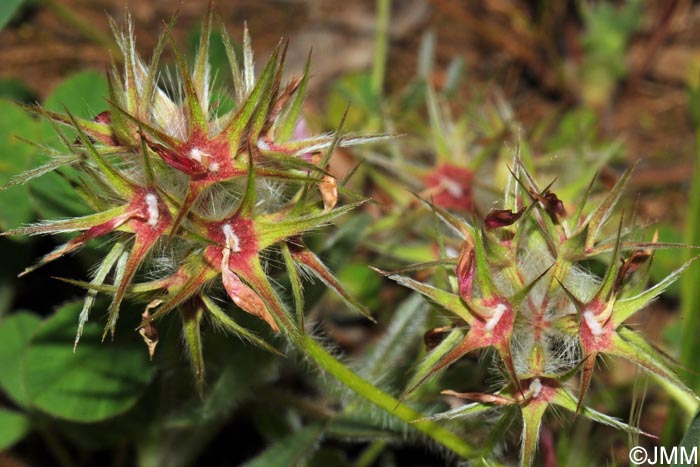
384, 401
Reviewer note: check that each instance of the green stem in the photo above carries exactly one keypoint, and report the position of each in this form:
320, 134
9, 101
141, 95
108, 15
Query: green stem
690, 293
381, 45
369, 455
688, 403
384, 401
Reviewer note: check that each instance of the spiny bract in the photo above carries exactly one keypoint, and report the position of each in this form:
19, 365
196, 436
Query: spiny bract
168, 169
521, 288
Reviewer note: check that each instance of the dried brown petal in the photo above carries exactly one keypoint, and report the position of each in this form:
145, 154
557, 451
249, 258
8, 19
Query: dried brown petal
329, 192
465, 269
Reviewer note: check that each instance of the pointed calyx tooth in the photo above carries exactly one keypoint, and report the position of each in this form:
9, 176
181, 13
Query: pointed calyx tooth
498, 311
232, 241
152, 205
592, 323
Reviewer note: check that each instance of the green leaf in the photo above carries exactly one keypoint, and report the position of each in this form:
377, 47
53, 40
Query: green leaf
15, 90
289, 451
691, 439
361, 282
355, 90
13, 427
94, 383
15, 334
82, 94
15, 204
7, 9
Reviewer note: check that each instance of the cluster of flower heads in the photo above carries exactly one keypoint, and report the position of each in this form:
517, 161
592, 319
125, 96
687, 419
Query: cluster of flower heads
521, 288
168, 171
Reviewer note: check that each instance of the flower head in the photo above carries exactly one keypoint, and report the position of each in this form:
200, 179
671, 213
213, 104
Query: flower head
218, 192
520, 288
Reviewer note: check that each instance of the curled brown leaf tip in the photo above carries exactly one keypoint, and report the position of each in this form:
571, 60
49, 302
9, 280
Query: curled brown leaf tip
502, 218
630, 265
551, 203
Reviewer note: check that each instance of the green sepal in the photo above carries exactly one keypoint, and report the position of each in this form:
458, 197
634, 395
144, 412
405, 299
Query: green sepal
257, 279
197, 119
425, 368
238, 83
100, 275
239, 121
288, 122
631, 346
295, 280
221, 319
271, 230
624, 308
308, 260
447, 300
595, 221
117, 180
200, 74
